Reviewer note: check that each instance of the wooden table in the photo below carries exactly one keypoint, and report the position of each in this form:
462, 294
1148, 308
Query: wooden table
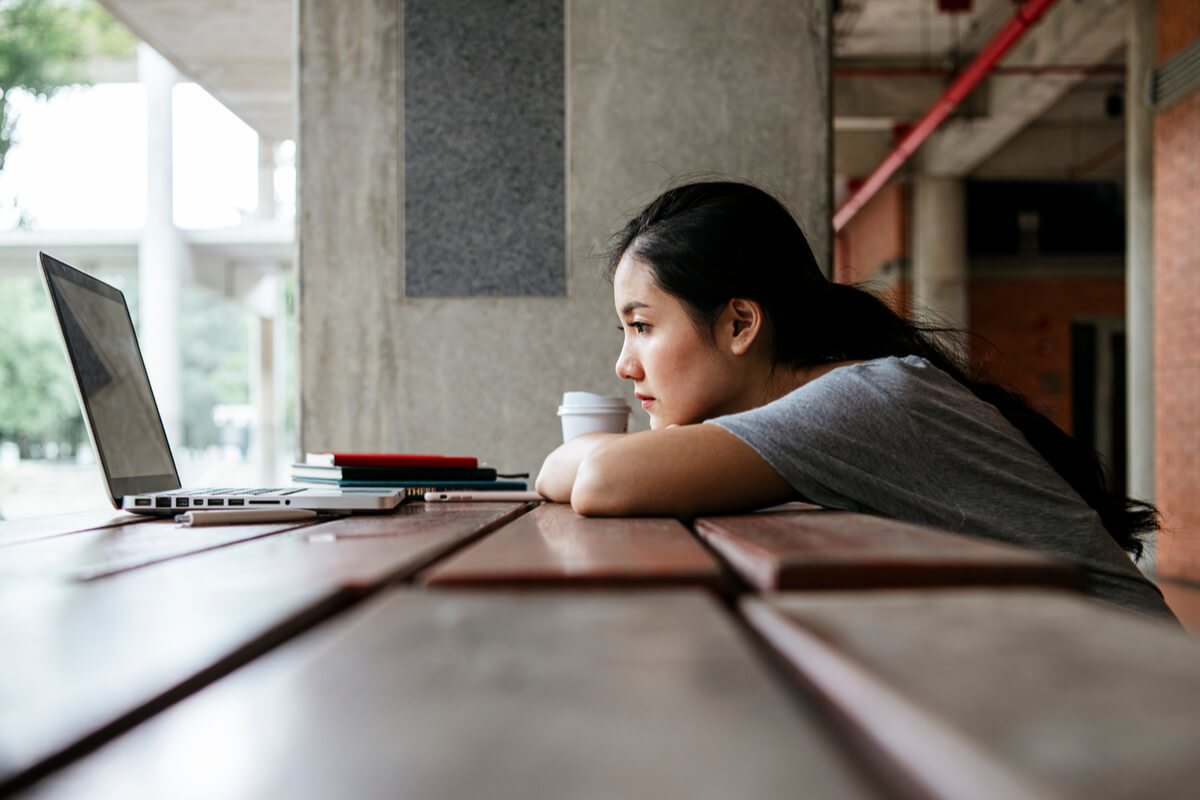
518, 650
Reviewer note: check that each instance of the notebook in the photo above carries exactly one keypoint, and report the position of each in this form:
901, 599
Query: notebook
124, 422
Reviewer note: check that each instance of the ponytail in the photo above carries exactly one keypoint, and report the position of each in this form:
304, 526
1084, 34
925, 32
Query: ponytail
865, 327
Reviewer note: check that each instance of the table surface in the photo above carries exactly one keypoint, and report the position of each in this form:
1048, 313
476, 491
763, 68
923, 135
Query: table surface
518, 650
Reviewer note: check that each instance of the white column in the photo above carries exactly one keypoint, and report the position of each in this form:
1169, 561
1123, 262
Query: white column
263, 385
939, 252
162, 252
266, 179
263, 366
1139, 251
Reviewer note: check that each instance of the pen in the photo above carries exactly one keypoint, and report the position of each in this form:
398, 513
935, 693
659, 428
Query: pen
191, 519
455, 497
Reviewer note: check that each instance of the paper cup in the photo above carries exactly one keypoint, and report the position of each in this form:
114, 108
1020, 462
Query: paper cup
585, 412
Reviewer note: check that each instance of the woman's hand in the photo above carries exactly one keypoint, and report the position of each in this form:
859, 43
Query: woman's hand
557, 476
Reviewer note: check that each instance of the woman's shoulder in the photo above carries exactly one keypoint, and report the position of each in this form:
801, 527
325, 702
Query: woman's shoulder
888, 370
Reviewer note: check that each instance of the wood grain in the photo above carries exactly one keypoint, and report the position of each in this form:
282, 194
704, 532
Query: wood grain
496, 694
358, 553
87, 555
85, 659
554, 546
81, 659
19, 531
1002, 692
842, 550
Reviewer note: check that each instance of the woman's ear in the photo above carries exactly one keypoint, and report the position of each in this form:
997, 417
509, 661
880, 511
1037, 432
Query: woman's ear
742, 322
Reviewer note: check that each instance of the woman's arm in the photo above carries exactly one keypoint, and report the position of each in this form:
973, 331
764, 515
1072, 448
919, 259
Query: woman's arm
557, 475
678, 472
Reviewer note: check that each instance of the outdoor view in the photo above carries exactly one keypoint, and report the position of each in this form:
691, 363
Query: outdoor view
73, 182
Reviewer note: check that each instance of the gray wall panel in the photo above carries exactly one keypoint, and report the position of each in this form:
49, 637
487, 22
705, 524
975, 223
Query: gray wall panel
483, 148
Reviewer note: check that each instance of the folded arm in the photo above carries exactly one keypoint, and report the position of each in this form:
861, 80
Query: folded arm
679, 472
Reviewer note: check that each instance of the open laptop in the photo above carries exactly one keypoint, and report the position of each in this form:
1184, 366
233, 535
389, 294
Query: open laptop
123, 420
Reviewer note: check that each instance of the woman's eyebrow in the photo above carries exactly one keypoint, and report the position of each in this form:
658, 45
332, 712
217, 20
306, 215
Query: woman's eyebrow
630, 306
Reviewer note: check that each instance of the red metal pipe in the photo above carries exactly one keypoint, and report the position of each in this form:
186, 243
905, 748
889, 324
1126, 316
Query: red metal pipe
993, 51
945, 72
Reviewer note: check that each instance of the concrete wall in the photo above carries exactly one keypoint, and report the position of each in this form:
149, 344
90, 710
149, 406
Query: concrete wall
655, 91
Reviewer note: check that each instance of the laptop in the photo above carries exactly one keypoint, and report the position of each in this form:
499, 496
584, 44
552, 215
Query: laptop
124, 423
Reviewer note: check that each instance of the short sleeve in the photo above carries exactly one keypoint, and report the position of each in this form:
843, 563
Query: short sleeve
847, 440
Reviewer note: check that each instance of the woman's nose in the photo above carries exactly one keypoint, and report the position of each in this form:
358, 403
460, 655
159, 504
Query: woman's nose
628, 368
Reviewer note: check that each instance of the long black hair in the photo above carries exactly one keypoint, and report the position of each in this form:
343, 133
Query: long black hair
706, 243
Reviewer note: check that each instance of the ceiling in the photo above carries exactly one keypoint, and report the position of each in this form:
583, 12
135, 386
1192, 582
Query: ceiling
240, 51
1048, 112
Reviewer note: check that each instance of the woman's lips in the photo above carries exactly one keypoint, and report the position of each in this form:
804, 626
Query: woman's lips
646, 400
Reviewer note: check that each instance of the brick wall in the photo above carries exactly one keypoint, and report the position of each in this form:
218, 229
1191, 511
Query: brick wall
1177, 308
877, 235
1023, 334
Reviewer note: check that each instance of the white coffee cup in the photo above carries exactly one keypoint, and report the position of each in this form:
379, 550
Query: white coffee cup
585, 412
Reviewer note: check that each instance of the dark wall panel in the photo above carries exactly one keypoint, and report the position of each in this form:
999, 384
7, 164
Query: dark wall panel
484, 172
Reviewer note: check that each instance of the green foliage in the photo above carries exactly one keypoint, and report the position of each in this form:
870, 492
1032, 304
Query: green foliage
45, 44
214, 340
37, 400
37, 403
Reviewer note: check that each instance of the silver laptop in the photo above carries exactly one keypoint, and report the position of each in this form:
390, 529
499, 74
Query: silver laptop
123, 420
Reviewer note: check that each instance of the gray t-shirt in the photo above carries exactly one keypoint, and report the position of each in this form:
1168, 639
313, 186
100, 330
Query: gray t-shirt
899, 438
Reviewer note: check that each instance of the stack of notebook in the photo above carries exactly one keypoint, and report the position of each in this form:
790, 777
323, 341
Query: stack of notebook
415, 474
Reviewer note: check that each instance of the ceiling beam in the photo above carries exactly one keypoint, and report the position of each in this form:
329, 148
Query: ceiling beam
1071, 33
239, 50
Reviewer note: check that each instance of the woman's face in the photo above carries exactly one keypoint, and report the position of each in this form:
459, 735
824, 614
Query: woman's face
679, 375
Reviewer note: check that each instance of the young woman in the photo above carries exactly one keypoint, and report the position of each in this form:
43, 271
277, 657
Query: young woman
818, 391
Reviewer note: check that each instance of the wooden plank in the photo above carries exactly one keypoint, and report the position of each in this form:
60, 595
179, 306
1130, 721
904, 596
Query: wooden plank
92, 554
83, 660
360, 552
641, 694
1002, 692
819, 549
554, 546
19, 531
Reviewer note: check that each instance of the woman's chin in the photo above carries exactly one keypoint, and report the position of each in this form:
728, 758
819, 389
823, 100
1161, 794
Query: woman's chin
661, 423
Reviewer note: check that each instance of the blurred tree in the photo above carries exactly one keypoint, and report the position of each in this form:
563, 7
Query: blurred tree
215, 340
45, 45
37, 403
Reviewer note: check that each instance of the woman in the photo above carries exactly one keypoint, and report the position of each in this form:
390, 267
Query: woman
818, 391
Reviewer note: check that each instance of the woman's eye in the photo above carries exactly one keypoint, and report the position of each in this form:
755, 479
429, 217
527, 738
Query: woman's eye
640, 327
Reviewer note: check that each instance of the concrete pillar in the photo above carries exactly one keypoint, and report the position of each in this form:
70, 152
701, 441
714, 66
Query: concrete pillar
264, 380
162, 252
266, 179
1139, 250
939, 252
283, 354
654, 92
263, 384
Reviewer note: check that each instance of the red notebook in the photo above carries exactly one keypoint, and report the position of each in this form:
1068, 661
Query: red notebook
390, 460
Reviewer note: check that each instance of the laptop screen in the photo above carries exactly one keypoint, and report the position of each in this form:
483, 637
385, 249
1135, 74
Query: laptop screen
110, 376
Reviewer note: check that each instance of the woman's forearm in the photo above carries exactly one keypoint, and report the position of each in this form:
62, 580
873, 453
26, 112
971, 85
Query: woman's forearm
557, 476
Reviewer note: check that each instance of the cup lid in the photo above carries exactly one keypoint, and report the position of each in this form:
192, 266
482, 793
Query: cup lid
573, 399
